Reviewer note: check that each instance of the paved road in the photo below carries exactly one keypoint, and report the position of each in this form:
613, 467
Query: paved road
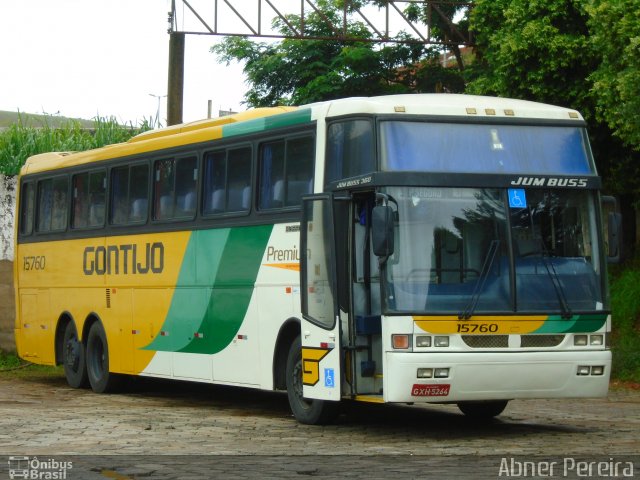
238, 433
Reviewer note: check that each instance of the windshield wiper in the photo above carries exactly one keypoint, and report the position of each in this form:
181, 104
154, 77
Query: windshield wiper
555, 280
484, 273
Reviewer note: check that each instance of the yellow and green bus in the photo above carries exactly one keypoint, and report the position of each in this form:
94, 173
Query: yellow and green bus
412, 248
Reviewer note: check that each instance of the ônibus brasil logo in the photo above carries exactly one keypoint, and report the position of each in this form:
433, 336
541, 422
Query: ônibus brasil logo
33, 468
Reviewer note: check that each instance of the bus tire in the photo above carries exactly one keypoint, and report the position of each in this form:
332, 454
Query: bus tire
307, 411
97, 355
483, 410
73, 358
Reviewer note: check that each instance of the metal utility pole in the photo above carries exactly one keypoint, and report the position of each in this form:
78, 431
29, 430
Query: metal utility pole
175, 86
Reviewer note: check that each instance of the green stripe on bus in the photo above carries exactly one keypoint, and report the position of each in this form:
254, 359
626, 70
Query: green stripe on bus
266, 123
213, 291
577, 323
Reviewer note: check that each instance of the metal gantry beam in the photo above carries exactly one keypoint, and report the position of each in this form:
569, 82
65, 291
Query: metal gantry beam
253, 18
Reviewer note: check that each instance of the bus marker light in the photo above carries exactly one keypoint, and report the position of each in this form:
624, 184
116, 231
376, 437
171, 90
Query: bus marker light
441, 341
425, 373
597, 370
198, 335
442, 373
164, 333
596, 340
584, 370
423, 341
580, 340
135, 332
400, 341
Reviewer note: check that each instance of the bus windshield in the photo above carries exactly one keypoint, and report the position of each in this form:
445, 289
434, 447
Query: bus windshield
482, 148
454, 252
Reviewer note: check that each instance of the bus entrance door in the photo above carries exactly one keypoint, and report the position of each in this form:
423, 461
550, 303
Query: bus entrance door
320, 329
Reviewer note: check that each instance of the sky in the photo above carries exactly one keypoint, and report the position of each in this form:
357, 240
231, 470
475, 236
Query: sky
88, 58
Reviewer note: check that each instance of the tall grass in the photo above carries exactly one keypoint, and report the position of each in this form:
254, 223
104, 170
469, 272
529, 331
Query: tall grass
625, 306
22, 139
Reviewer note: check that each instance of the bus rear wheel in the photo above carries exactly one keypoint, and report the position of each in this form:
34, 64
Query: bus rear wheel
73, 358
307, 411
100, 378
483, 410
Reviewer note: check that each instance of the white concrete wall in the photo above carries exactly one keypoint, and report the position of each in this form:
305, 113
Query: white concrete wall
7, 213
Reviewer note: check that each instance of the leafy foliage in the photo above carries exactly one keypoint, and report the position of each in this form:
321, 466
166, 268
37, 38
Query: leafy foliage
578, 54
615, 28
297, 71
22, 140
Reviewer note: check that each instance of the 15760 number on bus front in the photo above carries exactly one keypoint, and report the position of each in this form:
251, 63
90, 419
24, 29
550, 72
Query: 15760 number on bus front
477, 327
34, 263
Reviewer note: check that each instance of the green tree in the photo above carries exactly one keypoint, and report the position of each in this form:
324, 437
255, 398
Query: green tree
544, 50
615, 28
536, 50
296, 71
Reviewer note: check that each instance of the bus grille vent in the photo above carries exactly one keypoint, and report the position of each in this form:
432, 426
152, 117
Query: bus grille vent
486, 341
541, 341
108, 298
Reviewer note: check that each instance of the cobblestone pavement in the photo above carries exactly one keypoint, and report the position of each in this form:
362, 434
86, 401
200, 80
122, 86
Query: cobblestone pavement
159, 429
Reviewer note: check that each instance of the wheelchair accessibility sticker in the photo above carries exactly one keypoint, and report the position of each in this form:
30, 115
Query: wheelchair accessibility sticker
329, 377
517, 198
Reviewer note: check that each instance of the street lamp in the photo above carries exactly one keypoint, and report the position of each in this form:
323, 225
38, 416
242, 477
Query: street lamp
159, 97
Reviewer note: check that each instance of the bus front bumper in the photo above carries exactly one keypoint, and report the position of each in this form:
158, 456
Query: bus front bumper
494, 376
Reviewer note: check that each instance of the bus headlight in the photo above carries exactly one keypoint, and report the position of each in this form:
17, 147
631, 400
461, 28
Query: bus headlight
597, 340
425, 373
597, 370
423, 341
441, 341
580, 340
442, 373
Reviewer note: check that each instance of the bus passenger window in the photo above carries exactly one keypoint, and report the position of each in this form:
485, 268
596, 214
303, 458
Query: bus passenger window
300, 153
175, 188
129, 194
52, 204
227, 181
138, 193
286, 172
185, 189
163, 189
88, 199
27, 208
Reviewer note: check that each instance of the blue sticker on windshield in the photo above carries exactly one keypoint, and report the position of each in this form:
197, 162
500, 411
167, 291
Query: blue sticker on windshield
517, 198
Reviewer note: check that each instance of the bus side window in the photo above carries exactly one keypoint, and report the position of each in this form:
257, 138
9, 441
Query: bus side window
227, 181
27, 208
80, 200
300, 153
163, 189
286, 172
119, 195
185, 188
349, 150
52, 204
138, 193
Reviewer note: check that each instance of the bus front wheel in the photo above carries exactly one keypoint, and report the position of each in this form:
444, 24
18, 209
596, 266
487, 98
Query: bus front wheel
307, 411
100, 378
73, 358
483, 410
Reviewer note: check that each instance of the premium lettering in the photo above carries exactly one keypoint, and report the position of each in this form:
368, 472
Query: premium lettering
283, 255
123, 259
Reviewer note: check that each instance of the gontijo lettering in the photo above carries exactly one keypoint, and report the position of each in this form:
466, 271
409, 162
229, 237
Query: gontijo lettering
123, 259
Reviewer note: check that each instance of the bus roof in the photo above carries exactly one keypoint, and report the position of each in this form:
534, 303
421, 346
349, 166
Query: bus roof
176, 135
443, 105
